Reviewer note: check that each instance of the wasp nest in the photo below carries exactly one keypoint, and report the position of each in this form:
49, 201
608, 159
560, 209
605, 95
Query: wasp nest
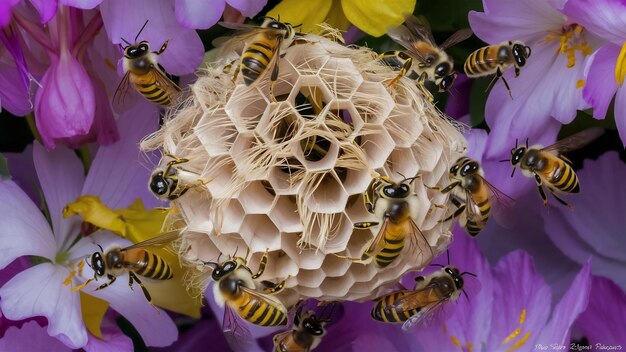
287, 173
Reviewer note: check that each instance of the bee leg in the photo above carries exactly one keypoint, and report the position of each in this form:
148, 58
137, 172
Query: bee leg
364, 225
262, 265
421, 85
111, 280
457, 212
517, 71
559, 199
163, 47
420, 283
542, 193
273, 79
451, 186
566, 159
175, 160
236, 73
277, 287
133, 277
403, 70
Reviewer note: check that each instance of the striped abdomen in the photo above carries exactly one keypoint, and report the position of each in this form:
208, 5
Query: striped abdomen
257, 56
146, 84
391, 250
258, 311
482, 200
382, 310
482, 62
150, 265
562, 177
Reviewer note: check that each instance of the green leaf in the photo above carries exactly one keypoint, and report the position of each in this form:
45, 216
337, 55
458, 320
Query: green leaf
4, 168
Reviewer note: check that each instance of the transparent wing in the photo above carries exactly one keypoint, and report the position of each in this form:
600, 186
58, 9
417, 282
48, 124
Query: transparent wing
456, 38
237, 42
172, 89
237, 334
265, 298
403, 36
425, 316
472, 210
418, 30
159, 241
575, 141
419, 241
377, 243
120, 99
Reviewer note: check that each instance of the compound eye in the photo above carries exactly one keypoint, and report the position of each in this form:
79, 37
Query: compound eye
143, 48
403, 190
446, 83
389, 191
442, 69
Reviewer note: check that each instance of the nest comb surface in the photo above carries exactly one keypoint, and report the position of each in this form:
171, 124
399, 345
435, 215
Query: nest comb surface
289, 174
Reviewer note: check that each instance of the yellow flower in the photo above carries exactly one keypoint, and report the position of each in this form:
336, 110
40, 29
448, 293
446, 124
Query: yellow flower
370, 16
138, 224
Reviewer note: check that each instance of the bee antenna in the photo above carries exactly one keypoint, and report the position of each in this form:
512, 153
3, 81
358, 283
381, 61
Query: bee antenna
218, 257
513, 171
448, 254
236, 249
468, 273
466, 296
504, 160
213, 264
141, 30
125, 41
101, 250
526, 143
515, 144
437, 265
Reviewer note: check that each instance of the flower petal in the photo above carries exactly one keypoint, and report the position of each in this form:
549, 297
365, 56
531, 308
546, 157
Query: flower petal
207, 332
46, 8
40, 291
600, 86
248, 8
6, 8
24, 230
198, 14
620, 113
123, 19
65, 105
604, 321
113, 340
23, 172
81, 4
14, 97
306, 13
476, 141
605, 18
375, 17
567, 310
30, 337
119, 174
61, 177
504, 20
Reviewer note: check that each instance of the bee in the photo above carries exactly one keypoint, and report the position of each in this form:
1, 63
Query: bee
306, 334
141, 69
497, 59
414, 306
433, 63
475, 197
136, 260
166, 183
395, 204
236, 287
262, 49
549, 167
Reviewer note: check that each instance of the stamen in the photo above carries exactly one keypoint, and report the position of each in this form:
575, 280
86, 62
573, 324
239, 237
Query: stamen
516, 333
519, 343
455, 341
571, 40
620, 66
580, 83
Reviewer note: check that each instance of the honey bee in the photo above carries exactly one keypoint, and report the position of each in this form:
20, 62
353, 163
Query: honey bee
262, 49
549, 167
395, 204
433, 63
136, 260
141, 69
306, 334
475, 197
166, 183
497, 59
235, 289
415, 306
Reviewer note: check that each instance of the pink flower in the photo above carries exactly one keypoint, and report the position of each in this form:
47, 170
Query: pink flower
204, 14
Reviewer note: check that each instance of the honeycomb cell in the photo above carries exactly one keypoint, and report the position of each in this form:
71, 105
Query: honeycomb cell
283, 216
372, 102
259, 232
377, 146
255, 198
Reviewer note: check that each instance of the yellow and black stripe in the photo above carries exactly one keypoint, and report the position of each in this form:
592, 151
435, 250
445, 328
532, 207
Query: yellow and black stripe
153, 92
391, 250
566, 179
482, 61
257, 56
383, 310
474, 227
154, 267
259, 312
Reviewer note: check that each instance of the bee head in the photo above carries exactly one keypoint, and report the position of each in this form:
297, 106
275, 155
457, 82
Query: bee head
455, 168
446, 82
470, 167
158, 184
521, 52
455, 274
136, 51
224, 269
400, 190
311, 324
97, 263
517, 154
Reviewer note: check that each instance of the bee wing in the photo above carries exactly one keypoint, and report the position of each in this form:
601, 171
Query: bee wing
418, 30
378, 243
472, 210
237, 334
419, 241
237, 43
172, 89
575, 141
120, 97
159, 241
265, 298
403, 36
425, 316
456, 38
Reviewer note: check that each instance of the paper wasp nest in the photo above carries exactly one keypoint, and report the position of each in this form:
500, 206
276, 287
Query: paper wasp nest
289, 175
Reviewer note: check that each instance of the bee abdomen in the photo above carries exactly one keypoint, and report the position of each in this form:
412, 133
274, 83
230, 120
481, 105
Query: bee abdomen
390, 251
261, 313
477, 64
153, 93
567, 180
255, 60
383, 312
155, 267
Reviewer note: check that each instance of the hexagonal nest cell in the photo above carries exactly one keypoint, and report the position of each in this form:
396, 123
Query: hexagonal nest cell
287, 172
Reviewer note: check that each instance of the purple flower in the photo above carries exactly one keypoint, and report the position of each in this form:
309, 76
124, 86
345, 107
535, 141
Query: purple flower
204, 14
607, 69
26, 232
601, 233
14, 97
30, 337
548, 91
511, 309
